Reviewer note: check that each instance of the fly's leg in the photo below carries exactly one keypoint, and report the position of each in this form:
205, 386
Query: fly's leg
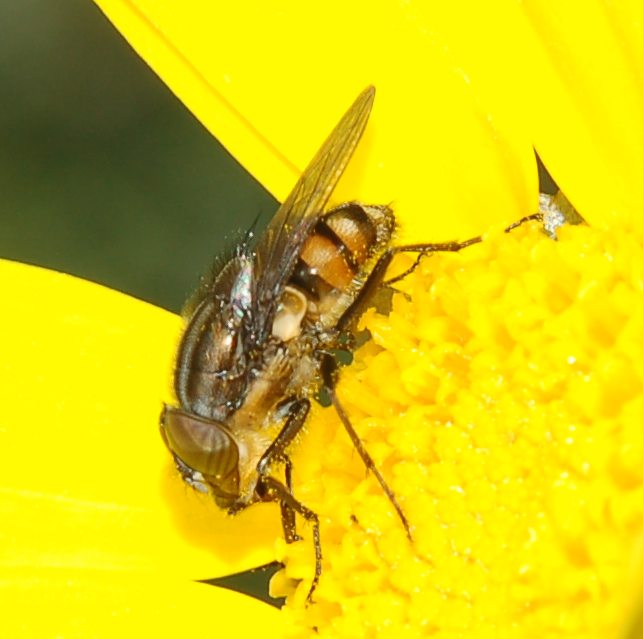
422, 250
376, 277
452, 247
538, 217
353, 312
288, 522
277, 453
271, 489
448, 247
328, 370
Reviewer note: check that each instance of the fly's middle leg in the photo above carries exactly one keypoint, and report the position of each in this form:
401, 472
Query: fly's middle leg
329, 370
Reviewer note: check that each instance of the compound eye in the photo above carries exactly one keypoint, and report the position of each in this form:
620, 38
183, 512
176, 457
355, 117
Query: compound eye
290, 313
203, 445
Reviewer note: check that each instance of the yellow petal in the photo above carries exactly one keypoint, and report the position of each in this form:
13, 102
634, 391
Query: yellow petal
87, 603
588, 124
85, 480
446, 144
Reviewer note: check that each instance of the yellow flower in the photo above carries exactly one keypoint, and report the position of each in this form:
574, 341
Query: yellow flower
501, 398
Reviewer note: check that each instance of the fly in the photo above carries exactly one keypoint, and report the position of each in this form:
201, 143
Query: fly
260, 334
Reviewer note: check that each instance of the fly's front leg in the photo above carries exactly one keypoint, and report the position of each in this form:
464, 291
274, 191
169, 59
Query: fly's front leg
288, 521
277, 453
271, 489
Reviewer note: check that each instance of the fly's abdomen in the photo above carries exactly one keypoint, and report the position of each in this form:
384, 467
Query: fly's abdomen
336, 257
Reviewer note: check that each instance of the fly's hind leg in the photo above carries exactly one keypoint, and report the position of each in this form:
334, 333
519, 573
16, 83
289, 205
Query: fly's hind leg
376, 277
442, 247
422, 250
329, 370
271, 489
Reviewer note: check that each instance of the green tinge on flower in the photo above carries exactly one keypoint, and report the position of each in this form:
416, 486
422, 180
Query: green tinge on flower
502, 399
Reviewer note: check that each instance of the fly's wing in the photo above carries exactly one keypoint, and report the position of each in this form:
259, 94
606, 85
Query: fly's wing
279, 246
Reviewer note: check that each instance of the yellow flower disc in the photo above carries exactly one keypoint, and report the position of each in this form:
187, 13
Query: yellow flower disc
502, 399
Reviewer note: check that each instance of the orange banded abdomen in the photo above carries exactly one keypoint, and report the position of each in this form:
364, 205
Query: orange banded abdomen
340, 244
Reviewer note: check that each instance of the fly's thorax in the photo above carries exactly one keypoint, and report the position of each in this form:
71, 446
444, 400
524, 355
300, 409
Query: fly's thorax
288, 369
212, 368
337, 258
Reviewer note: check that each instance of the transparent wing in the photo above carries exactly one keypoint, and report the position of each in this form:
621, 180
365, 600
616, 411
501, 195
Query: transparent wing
279, 246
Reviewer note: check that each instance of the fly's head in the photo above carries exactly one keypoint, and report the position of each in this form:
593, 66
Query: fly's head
205, 453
